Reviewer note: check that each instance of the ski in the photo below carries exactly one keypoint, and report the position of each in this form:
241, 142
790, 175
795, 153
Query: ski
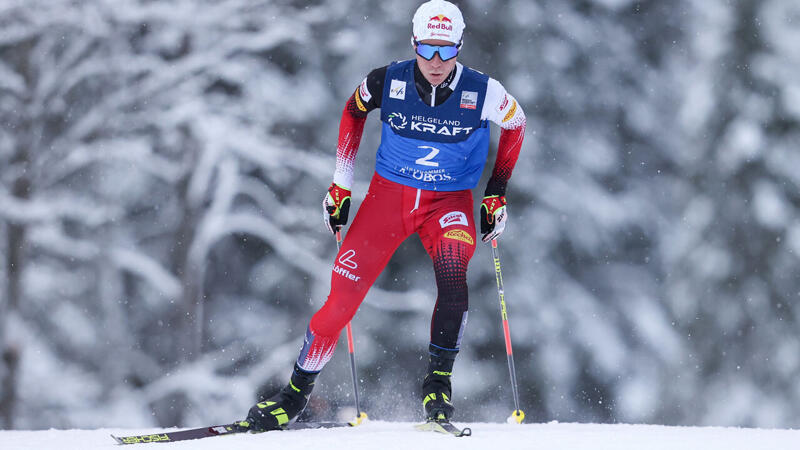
443, 426
218, 430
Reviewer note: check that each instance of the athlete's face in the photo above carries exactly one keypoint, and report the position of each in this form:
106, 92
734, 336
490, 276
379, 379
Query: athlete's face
435, 70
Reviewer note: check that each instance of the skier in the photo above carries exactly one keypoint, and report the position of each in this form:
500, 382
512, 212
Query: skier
434, 145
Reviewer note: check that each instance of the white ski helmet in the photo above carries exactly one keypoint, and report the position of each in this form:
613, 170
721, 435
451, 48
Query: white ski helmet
438, 19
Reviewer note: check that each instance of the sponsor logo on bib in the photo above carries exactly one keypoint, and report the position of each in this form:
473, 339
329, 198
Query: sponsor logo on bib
397, 121
469, 100
425, 124
397, 90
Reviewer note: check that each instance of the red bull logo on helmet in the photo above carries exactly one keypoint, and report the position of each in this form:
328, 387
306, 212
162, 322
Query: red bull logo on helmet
440, 22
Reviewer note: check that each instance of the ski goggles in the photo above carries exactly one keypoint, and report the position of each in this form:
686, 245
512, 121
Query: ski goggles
445, 51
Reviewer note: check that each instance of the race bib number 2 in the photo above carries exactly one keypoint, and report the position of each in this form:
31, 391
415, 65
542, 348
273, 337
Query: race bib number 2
426, 160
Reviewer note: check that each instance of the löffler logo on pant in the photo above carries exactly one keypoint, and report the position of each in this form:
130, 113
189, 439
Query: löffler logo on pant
347, 261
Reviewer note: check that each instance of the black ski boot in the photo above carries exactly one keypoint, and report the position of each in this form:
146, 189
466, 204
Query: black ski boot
280, 409
436, 389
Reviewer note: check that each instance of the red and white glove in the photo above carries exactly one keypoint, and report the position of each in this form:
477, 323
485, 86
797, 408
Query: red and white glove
493, 216
336, 207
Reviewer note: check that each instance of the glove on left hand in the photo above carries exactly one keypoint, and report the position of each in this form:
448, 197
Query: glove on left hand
493, 216
336, 207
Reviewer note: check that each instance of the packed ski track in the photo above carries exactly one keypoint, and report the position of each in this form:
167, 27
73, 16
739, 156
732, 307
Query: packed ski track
396, 435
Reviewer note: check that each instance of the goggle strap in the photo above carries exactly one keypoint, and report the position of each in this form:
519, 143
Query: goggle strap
415, 42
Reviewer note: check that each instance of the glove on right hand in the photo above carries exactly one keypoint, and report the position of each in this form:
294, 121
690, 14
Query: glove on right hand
336, 207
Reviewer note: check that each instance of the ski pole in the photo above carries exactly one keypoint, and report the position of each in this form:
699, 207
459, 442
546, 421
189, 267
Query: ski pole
517, 415
360, 416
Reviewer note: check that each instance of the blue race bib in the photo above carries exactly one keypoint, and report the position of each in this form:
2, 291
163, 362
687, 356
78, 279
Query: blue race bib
437, 148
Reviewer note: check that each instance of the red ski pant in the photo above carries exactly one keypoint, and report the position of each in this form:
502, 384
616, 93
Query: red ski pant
388, 215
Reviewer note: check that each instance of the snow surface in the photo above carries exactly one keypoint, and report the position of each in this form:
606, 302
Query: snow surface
397, 435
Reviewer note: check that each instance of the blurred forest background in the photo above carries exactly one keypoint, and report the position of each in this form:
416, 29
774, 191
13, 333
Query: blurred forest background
162, 166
